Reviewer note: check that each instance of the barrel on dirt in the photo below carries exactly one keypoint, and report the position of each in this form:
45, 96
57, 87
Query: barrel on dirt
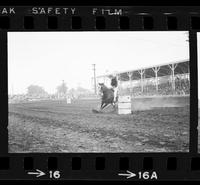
124, 105
68, 100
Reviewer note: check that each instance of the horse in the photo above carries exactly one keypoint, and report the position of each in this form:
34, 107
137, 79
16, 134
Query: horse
107, 96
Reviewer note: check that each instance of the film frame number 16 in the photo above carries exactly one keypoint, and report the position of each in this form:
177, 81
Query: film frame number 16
54, 174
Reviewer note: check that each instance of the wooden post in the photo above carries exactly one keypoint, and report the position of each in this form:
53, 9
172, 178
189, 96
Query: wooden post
130, 81
173, 67
156, 69
141, 74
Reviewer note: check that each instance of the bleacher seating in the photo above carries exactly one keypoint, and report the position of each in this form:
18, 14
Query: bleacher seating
182, 87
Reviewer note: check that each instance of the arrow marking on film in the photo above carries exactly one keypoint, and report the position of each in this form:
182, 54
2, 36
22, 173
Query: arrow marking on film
128, 174
38, 173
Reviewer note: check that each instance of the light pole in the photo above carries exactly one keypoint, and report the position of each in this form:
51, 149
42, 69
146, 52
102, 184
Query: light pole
95, 86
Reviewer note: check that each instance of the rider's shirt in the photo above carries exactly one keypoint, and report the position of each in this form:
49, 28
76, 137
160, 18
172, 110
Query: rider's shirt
114, 86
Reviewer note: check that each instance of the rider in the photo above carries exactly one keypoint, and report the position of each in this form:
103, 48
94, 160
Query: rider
114, 84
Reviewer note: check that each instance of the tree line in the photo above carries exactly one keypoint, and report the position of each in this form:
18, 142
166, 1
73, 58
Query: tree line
62, 89
36, 90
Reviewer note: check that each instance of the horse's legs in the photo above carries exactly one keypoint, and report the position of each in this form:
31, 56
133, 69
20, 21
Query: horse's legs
114, 105
102, 103
104, 106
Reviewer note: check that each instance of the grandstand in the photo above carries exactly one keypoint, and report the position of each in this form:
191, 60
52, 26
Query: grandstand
167, 79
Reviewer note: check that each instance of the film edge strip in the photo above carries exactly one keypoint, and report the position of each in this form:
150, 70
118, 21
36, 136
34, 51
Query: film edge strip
99, 19
121, 168
145, 23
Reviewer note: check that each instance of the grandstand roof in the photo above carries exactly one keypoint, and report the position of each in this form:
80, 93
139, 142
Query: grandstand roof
147, 67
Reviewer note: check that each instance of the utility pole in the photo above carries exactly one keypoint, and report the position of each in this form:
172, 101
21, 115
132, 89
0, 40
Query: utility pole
95, 86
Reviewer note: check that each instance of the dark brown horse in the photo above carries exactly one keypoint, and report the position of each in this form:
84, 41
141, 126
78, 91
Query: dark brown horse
107, 96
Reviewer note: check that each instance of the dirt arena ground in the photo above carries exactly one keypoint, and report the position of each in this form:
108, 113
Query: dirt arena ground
55, 126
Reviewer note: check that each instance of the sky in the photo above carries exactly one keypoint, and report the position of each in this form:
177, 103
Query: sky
47, 58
